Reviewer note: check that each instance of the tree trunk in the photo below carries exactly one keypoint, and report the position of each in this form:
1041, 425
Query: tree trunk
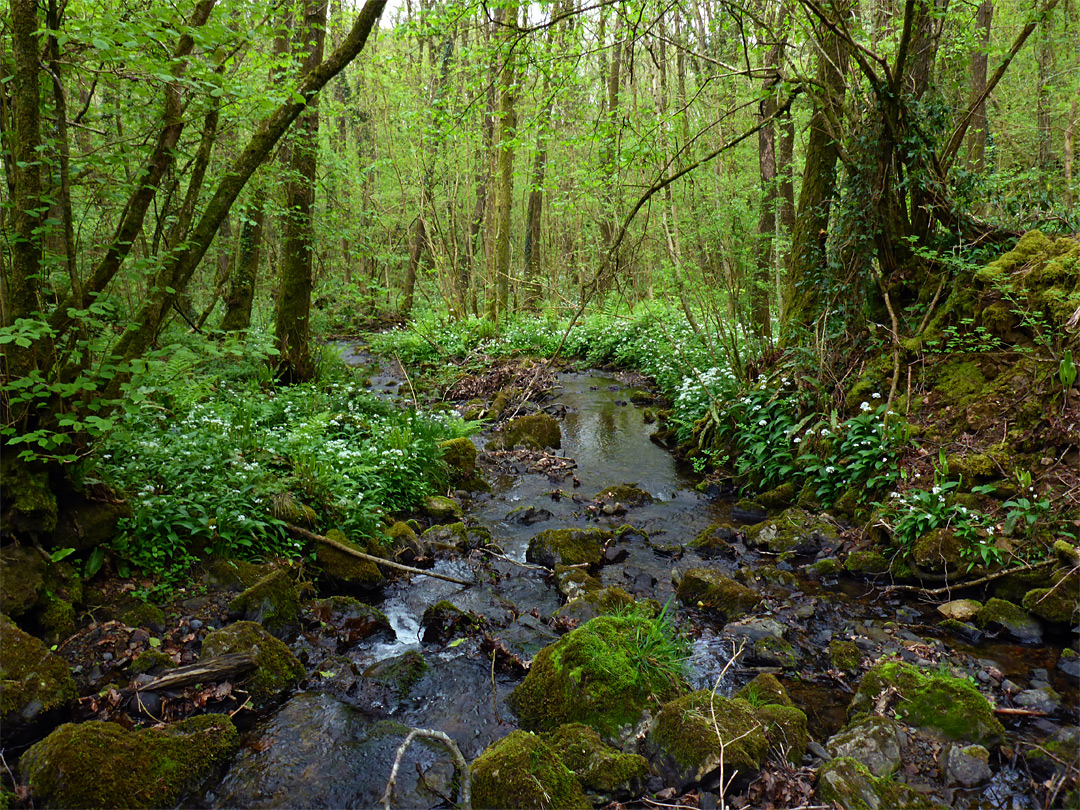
977, 135
609, 158
1045, 59
292, 326
241, 293
504, 175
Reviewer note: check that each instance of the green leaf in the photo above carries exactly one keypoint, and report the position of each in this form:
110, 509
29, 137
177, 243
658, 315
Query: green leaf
94, 562
61, 553
456, 642
154, 642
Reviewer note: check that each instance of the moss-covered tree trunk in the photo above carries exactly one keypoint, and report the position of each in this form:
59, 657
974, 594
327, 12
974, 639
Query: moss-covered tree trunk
241, 293
504, 175
292, 312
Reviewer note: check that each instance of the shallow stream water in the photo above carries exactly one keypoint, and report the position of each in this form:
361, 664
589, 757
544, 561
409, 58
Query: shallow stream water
332, 744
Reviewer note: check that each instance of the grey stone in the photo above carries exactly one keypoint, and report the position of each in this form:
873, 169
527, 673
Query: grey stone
873, 741
967, 766
1043, 699
755, 628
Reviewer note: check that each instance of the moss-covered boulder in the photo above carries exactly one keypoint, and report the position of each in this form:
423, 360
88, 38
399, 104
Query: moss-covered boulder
444, 620
714, 541
1040, 275
522, 771
873, 741
866, 563
29, 505
794, 530
85, 522
844, 656
779, 497
23, 579
999, 615
785, 730
344, 568
938, 552
846, 783
626, 494
683, 741
276, 668
145, 614
400, 673
273, 602
574, 582
33, 681
235, 575
151, 662
442, 509
599, 675
537, 431
459, 456
92, 765
1060, 602
604, 602
401, 541
765, 689
716, 593
773, 651
605, 773
567, 547
952, 706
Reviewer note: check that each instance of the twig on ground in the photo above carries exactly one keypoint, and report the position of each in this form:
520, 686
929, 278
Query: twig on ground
465, 802
970, 584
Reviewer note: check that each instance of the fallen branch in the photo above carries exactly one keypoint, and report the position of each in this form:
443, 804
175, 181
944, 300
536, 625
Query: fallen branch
971, 583
1021, 712
462, 767
212, 669
318, 538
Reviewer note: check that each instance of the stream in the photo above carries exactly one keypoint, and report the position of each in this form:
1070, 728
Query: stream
332, 744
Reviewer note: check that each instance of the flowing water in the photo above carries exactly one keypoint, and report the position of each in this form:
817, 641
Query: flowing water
332, 744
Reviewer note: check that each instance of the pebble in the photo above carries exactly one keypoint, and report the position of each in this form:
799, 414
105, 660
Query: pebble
107, 657
195, 624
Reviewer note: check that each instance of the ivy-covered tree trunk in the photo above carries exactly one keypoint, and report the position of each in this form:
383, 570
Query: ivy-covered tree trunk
292, 312
977, 137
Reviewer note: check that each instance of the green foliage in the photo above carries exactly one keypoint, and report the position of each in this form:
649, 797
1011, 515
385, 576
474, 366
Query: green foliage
1026, 509
862, 452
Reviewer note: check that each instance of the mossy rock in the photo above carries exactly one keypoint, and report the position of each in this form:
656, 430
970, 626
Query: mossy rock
785, 731
537, 431
866, 563
794, 530
1041, 275
958, 381
84, 523
938, 552
844, 656
999, 614
597, 674
714, 540
401, 673
938, 701
848, 504
974, 468
626, 494
402, 541
276, 668
605, 773
23, 579
873, 741
720, 595
448, 536
233, 574
779, 497
459, 455
567, 547
345, 568
349, 620
772, 651
273, 602
683, 740
444, 620
56, 618
287, 507
605, 602
522, 771
29, 505
574, 583
825, 567
1059, 603
845, 782
151, 661
765, 689
33, 680
92, 765
145, 614
442, 509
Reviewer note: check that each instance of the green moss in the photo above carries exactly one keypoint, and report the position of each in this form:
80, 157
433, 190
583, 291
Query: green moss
763, 690
959, 381
1059, 603
29, 506
606, 602
23, 579
536, 431
34, 680
844, 656
150, 660
938, 551
684, 737
273, 602
793, 530
522, 771
276, 668
775, 652
441, 508
400, 673
1002, 613
57, 619
459, 455
873, 380
825, 567
785, 731
235, 574
626, 494
951, 705
567, 547
601, 769
92, 765
716, 593
714, 540
599, 675
145, 614
345, 568
845, 782
779, 497
866, 563
575, 582
847, 504
1013, 587
287, 507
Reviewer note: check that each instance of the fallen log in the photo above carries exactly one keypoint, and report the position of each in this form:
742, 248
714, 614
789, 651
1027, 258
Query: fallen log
211, 669
318, 538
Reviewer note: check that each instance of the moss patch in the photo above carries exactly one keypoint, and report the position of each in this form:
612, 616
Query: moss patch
951, 705
459, 455
764, 690
344, 568
626, 494
598, 674
716, 593
93, 765
442, 509
866, 563
794, 530
522, 771
567, 547
1059, 603
537, 431
33, 680
276, 668
23, 578
273, 602
844, 655
1001, 614
400, 673
785, 731
846, 782
601, 769
29, 505
938, 551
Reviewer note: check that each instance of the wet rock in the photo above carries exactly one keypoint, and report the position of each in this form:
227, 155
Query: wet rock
629, 494
23, 579
92, 765
866, 563
605, 773
961, 610
573, 583
873, 741
444, 620
403, 543
716, 593
526, 636
925, 699
567, 547
400, 673
683, 741
522, 770
344, 568
755, 628
350, 620
536, 432
1000, 615
276, 668
597, 675
604, 602
962, 630
794, 530
529, 515
442, 509
773, 652
968, 766
1069, 663
273, 602
35, 682
1043, 699
847, 783
717, 539
459, 455
748, 512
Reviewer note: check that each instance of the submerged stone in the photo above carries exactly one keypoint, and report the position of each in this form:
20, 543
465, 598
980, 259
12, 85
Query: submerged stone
95, 764
522, 771
400, 673
716, 593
